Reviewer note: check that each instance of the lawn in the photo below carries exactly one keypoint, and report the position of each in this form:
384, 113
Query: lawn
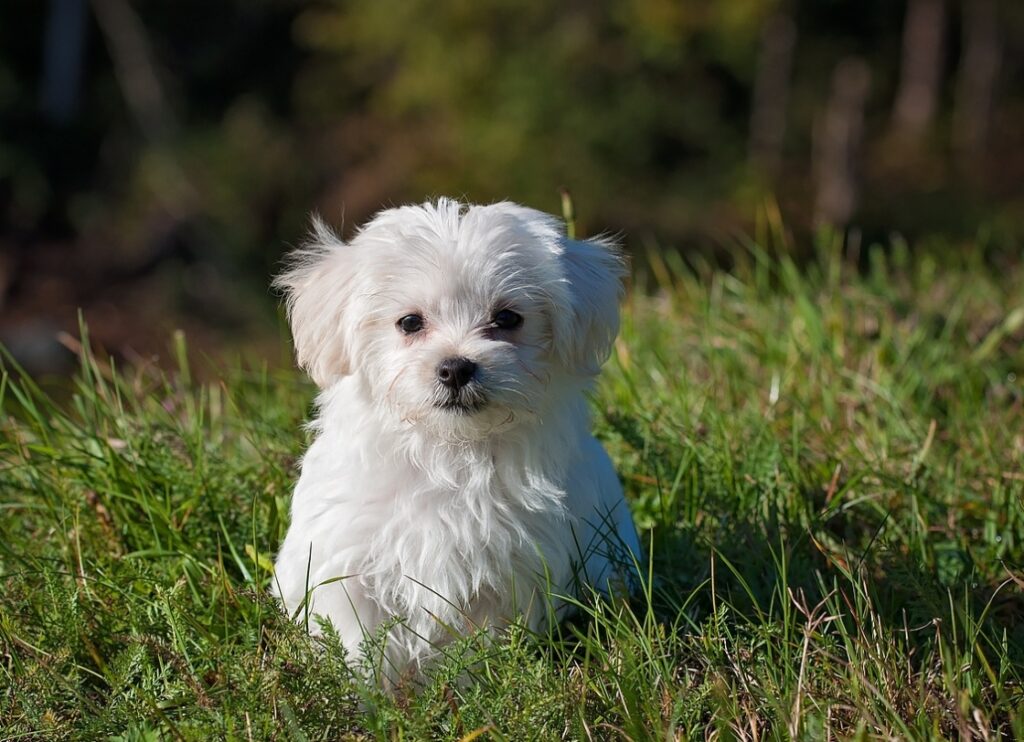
825, 459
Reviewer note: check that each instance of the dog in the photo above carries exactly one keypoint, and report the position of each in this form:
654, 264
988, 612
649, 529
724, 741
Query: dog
453, 482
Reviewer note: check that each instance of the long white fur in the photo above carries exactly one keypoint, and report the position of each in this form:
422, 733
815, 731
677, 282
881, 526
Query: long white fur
449, 521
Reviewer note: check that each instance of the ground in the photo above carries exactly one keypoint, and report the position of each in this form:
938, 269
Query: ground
826, 462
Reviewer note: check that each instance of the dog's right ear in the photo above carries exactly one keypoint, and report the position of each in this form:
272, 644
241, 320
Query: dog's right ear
318, 288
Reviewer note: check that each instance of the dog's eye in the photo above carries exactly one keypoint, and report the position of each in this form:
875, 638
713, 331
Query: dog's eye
506, 319
410, 323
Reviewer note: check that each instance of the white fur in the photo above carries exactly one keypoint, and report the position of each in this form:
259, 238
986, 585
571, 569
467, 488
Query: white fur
443, 519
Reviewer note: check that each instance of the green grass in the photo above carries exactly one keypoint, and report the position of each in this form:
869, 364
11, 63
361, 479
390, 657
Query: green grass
827, 463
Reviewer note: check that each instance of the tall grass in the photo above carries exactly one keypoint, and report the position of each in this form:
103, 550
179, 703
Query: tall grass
826, 461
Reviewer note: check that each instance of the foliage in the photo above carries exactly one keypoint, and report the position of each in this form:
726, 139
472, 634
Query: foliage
826, 464
641, 107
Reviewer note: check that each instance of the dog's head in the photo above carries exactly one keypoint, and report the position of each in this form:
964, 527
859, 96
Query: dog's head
457, 317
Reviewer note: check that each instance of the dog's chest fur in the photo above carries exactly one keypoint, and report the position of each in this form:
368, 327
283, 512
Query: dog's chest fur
433, 531
454, 546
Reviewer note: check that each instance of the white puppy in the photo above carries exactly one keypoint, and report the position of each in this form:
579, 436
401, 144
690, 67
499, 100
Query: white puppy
453, 482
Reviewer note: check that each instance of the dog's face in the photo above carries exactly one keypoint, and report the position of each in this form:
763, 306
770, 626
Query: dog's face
458, 318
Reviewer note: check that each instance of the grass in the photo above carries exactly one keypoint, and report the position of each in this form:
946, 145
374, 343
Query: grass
827, 463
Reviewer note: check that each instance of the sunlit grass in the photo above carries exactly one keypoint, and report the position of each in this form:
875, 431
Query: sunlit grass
827, 463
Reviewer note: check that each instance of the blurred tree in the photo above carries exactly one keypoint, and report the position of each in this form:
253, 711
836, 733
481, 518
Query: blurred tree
170, 149
921, 67
134, 68
63, 49
976, 79
771, 92
839, 139
501, 99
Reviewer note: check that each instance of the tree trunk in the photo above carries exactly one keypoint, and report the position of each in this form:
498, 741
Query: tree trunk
771, 93
921, 67
134, 67
838, 140
63, 47
979, 68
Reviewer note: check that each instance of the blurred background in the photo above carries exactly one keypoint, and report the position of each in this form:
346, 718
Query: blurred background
157, 157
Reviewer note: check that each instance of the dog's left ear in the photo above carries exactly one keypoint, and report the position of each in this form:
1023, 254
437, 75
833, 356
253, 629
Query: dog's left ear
585, 326
585, 284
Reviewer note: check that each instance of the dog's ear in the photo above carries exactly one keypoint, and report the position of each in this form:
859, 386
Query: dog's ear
318, 288
584, 297
585, 327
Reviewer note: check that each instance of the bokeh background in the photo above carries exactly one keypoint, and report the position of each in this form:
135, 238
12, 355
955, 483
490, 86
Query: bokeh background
157, 157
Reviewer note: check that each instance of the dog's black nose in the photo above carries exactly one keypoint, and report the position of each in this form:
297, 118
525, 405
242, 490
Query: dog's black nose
455, 373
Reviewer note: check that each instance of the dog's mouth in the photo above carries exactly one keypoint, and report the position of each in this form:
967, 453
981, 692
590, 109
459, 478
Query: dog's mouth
466, 401
460, 408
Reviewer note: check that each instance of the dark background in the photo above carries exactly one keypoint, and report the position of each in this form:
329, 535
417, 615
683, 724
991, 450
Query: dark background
157, 157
